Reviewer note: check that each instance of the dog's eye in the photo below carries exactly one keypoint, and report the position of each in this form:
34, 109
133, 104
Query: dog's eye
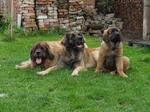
80, 34
115, 30
41, 48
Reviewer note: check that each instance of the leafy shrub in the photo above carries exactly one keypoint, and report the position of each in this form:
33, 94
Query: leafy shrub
57, 30
4, 23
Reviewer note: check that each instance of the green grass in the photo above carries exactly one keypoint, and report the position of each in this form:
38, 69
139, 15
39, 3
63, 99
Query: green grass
59, 92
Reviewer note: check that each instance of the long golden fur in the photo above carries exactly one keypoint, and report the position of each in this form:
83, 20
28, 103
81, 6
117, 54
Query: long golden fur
51, 50
75, 55
111, 57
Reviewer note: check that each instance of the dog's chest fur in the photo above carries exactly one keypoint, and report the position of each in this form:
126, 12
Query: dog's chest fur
110, 61
72, 58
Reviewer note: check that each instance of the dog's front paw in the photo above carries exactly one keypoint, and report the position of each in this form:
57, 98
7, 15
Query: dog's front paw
42, 73
98, 70
124, 76
17, 67
74, 74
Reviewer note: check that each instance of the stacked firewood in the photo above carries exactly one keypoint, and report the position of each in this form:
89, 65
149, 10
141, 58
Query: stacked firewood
63, 13
17, 9
46, 12
63, 18
76, 14
110, 20
2, 7
94, 24
28, 15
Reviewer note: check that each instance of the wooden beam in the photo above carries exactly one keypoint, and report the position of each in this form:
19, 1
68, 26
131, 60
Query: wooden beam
12, 12
146, 20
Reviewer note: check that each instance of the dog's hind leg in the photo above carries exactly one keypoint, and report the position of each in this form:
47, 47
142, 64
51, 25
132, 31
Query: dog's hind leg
101, 59
120, 67
126, 63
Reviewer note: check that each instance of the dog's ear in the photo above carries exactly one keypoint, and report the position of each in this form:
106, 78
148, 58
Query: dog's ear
72, 35
32, 51
106, 35
81, 34
49, 54
102, 31
65, 41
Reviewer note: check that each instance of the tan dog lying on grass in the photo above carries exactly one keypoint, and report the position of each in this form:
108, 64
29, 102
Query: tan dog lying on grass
75, 55
111, 57
43, 54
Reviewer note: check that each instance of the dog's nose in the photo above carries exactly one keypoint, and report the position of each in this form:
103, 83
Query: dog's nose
38, 52
113, 48
80, 38
117, 34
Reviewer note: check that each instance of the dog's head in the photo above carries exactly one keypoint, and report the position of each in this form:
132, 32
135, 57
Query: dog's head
112, 37
74, 41
40, 53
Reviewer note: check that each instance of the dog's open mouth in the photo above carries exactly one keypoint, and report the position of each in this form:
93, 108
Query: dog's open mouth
80, 46
38, 61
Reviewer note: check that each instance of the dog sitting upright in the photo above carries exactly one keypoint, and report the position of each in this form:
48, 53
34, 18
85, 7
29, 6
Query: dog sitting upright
73, 56
111, 57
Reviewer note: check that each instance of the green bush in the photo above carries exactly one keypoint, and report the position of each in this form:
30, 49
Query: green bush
4, 24
57, 30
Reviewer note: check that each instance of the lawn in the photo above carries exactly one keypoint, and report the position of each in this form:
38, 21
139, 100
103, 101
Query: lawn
59, 92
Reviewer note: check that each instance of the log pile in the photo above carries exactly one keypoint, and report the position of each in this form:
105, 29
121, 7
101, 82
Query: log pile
28, 15
75, 14
63, 13
2, 8
46, 13
110, 21
94, 24
17, 9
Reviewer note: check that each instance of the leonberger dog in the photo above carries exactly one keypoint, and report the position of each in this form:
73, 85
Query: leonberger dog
111, 57
75, 55
43, 54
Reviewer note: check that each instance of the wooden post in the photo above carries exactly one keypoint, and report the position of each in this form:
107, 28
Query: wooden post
146, 20
12, 11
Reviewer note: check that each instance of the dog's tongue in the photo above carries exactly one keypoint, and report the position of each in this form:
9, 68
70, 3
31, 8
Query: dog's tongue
38, 60
80, 46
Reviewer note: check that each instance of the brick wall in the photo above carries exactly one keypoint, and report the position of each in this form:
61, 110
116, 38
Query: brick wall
89, 3
131, 12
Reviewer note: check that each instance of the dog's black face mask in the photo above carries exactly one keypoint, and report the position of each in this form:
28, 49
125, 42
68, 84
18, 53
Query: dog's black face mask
40, 53
74, 41
114, 38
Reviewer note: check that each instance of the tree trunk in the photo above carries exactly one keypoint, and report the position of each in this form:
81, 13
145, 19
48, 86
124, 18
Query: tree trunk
146, 20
